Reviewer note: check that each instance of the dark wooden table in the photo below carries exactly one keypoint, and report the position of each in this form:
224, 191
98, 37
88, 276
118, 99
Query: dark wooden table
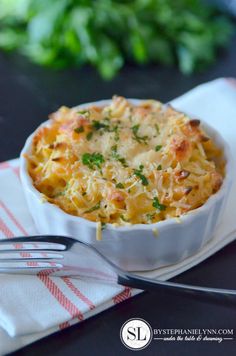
27, 94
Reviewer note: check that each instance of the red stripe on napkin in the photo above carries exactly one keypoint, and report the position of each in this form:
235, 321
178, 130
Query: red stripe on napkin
4, 165
78, 293
60, 296
64, 325
16, 170
125, 294
5, 230
7, 165
12, 217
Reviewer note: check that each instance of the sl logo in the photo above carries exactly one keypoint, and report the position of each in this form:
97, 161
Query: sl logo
136, 334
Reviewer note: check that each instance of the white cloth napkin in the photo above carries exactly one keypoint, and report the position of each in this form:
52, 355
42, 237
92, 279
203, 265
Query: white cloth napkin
32, 307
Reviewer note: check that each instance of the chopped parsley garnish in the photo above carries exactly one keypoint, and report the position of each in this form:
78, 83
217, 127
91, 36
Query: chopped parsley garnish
158, 148
135, 129
114, 151
124, 219
89, 136
122, 161
104, 225
120, 186
115, 130
93, 160
159, 167
97, 125
95, 207
138, 173
104, 125
150, 216
117, 157
156, 204
79, 129
84, 112
157, 129
59, 194
139, 139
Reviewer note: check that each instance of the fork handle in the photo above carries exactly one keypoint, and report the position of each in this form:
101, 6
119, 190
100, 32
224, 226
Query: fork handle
204, 293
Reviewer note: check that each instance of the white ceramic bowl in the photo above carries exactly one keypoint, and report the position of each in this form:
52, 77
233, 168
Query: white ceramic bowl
135, 247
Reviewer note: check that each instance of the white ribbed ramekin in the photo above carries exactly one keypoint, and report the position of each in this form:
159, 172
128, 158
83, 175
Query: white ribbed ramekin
137, 247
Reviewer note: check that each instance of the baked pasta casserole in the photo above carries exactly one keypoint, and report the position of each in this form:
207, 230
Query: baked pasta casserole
124, 163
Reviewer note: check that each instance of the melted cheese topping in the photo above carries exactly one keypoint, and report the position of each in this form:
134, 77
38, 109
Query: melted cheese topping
125, 164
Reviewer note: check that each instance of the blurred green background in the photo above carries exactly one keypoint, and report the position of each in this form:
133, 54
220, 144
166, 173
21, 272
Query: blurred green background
109, 33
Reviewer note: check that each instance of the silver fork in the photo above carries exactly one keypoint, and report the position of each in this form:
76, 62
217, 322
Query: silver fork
65, 256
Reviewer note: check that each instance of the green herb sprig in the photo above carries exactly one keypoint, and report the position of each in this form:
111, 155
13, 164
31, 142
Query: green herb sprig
140, 175
79, 129
150, 216
84, 112
89, 136
95, 207
97, 125
115, 155
156, 204
158, 148
120, 186
93, 160
139, 139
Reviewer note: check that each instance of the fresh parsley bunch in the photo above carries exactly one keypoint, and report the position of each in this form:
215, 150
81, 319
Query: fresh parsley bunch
106, 33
